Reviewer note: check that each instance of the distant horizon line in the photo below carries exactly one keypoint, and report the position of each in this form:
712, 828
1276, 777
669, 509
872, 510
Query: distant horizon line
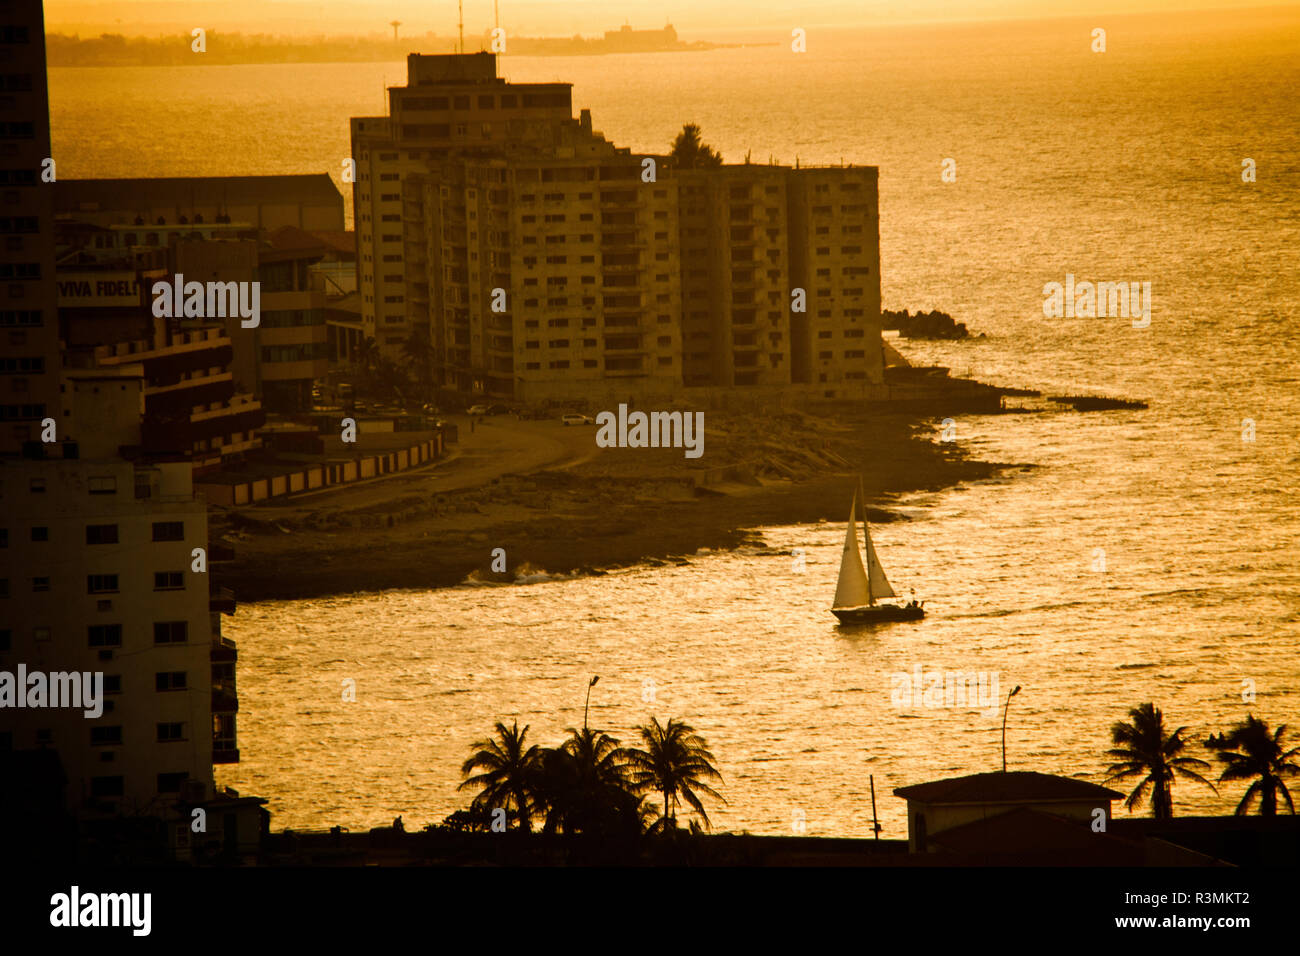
721, 33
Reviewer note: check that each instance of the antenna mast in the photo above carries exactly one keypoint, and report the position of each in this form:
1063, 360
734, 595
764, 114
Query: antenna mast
461, 7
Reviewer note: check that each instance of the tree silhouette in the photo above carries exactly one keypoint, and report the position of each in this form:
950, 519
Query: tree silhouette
1142, 747
689, 152
506, 770
676, 763
1250, 750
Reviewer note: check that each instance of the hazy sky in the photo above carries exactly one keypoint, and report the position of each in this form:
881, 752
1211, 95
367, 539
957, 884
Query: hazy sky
560, 17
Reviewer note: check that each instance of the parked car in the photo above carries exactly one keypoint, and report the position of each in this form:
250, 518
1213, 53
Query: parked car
477, 410
500, 410
573, 418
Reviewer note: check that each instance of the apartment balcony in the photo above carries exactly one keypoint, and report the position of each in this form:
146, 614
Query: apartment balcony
223, 600
622, 242
630, 268
225, 742
195, 340
625, 345
224, 701
179, 400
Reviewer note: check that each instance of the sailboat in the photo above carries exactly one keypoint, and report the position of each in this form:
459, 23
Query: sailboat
859, 587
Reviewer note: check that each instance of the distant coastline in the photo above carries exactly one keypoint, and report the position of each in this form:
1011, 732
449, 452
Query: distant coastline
230, 49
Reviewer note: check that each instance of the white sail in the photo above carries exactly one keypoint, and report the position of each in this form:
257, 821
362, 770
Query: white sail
853, 589
878, 584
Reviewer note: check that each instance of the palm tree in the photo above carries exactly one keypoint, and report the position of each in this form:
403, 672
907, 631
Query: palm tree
367, 354
583, 784
419, 350
677, 763
1251, 751
1144, 748
689, 152
506, 772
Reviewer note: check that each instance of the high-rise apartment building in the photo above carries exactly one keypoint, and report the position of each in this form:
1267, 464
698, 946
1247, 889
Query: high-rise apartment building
451, 103
544, 263
103, 563
29, 347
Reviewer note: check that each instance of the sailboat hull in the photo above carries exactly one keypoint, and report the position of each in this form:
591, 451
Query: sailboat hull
878, 613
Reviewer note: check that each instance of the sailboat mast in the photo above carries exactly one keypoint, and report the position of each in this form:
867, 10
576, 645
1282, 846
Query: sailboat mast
866, 537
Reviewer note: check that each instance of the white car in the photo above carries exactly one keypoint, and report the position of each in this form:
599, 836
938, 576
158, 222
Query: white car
477, 410
574, 418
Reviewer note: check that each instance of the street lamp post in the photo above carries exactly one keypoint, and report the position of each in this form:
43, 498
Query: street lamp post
1005, 708
587, 705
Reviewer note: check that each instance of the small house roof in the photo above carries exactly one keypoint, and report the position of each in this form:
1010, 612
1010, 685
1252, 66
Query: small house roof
1013, 787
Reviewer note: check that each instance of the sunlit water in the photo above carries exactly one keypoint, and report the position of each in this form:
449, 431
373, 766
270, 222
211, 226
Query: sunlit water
1123, 166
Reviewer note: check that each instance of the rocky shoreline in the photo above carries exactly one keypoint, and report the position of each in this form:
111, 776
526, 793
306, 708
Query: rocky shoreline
613, 511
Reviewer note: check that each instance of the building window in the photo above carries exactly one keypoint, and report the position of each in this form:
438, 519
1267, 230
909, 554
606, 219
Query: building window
169, 733
101, 584
170, 680
170, 632
40, 533
106, 786
101, 534
102, 485
106, 736
104, 635
40, 584
171, 782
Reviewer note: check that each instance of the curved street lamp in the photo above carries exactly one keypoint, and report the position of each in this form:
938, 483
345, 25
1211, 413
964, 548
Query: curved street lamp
587, 705
1005, 708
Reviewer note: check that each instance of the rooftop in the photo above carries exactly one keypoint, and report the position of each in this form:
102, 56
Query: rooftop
1033, 837
89, 195
1011, 787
